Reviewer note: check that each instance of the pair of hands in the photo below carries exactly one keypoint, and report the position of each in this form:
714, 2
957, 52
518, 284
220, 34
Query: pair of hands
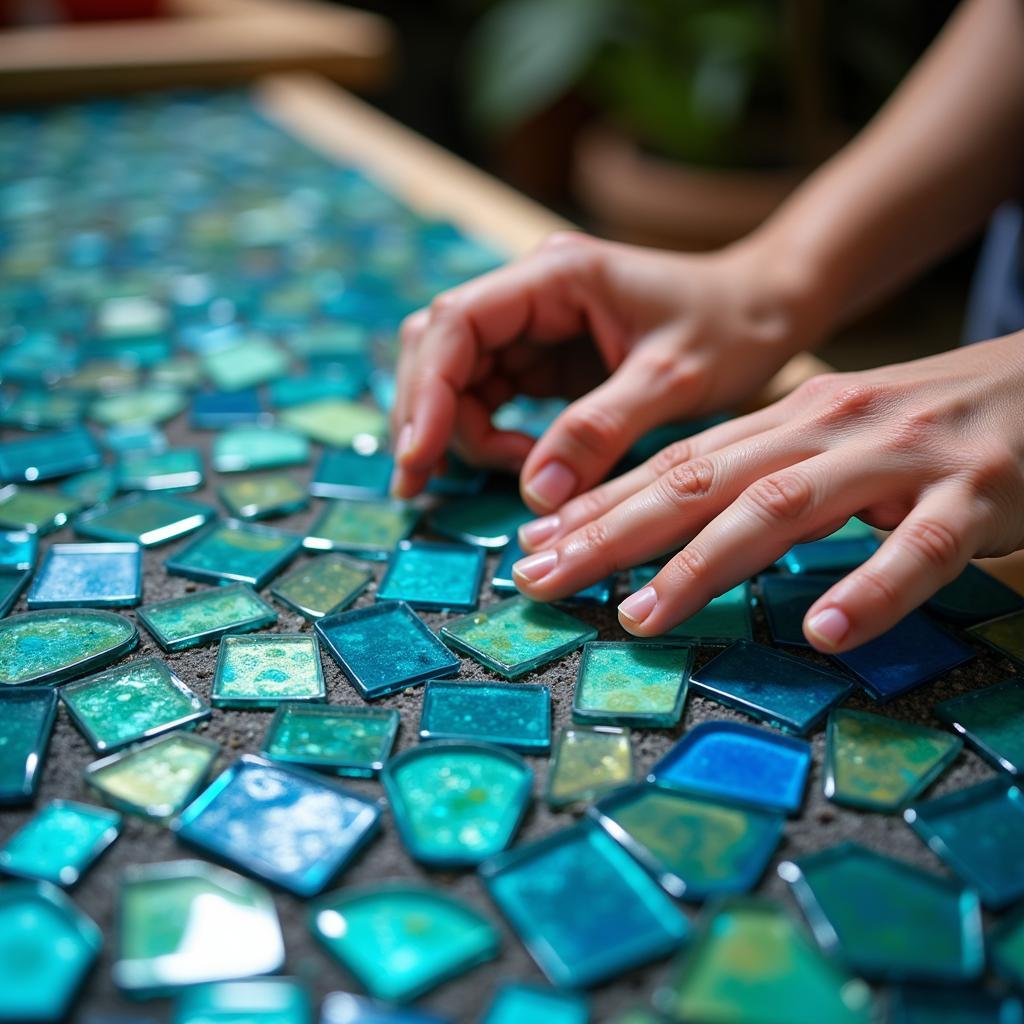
932, 449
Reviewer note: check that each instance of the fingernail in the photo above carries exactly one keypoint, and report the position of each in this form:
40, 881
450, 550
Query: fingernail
538, 531
535, 567
829, 626
638, 606
395, 485
552, 485
404, 442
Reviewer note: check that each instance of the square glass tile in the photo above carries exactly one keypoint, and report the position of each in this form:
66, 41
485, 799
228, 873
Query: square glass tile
516, 1003
992, 722
1005, 634
488, 520
17, 550
588, 761
457, 480
26, 721
92, 486
920, 1004
176, 469
1006, 949
88, 576
137, 406
147, 519
253, 361
599, 593
215, 410
235, 552
11, 586
42, 410
369, 529
263, 497
286, 391
974, 596
337, 423
34, 509
841, 551
254, 1001
514, 715
344, 473
46, 456
723, 619
320, 585
206, 616
786, 600
242, 449
434, 577
261, 671
135, 437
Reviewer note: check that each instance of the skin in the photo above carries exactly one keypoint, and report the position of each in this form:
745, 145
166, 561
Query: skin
932, 449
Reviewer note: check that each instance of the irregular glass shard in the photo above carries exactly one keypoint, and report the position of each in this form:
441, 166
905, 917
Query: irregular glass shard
888, 920
786, 600
235, 552
974, 596
343, 1008
252, 362
17, 550
176, 469
261, 671
88, 576
917, 1004
369, 529
841, 551
584, 909
344, 473
513, 715
488, 521
47, 456
132, 702
335, 422
1005, 634
400, 941
147, 519
723, 619
138, 406
744, 763
434, 577
259, 1001
327, 583
881, 764
205, 616
262, 497
588, 761
243, 449
11, 586
1006, 949
34, 509
599, 593
516, 1002
215, 410
26, 722
355, 640
992, 722
91, 487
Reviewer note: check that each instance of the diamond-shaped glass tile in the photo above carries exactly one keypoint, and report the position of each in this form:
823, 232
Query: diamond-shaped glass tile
514, 715
599, 593
263, 497
516, 1003
17, 550
256, 1001
369, 529
45, 456
992, 721
243, 449
723, 619
488, 520
34, 509
215, 410
235, 552
261, 671
1005, 634
320, 585
588, 761
974, 596
206, 616
841, 551
344, 473
434, 577
921, 1004
335, 422
147, 519
176, 469
26, 721
253, 361
786, 600
1006, 949
88, 576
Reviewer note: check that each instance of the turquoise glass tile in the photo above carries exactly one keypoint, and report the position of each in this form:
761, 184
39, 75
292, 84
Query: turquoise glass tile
34, 409
26, 722
34, 509
488, 520
147, 519
344, 473
917, 1004
320, 585
134, 437
457, 480
263, 497
235, 552
1006, 949
91, 487
256, 1001
242, 449
787, 600
513, 715
723, 619
46, 456
356, 640
11, 586
1005, 634
531, 416
599, 593
368, 529
991, 720
88, 576
344, 1008
253, 361
586, 762
215, 410
176, 469
60, 842
584, 909
974, 596
433, 577
516, 1003
17, 550
338, 423
206, 616
138, 406
261, 671
286, 391
841, 551
734, 762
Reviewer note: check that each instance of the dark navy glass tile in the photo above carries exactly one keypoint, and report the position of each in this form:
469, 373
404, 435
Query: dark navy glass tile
786, 600
919, 1004
974, 596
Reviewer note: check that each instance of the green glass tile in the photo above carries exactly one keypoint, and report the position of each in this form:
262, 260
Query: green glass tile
881, 764
26, 722
88, 576
321, 585
92, 487
488, 521
992, 722
258, 1001
513, 715
344, 473
176, 469
11, 586
368, 529
887, 920
400, 941
919, 1004
46, 456
723, 619
637, 1015
132, 702
17, 551
149, 405
206, 616
433, 577
1005, 634
974, 596
252, 362
261, 671
147, 519
242, 449
333, 421
517, 1003
235, 552
41, 410
33, 509
331, 341
588, 761
632, 684
263, 497
517, 636
1006, 949
60, 843
751, 962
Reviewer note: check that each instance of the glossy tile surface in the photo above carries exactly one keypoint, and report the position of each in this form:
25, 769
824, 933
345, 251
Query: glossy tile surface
215, 410
1005, 634
320, 585
368, 529
91, 487
256, 1001
26, 721
17, 550
45, 456
88, 576
599, 593
488, 521
176, 469
991, 720
344, 473
143, 405
433, 577
786, 601
244, 449
336, 422
586, 762
723, 619
205, 616
262, 671
263, 496
235, 552
974, 596
841, 551
253, 361
147, 519
517, 1002
34, 510
513, 715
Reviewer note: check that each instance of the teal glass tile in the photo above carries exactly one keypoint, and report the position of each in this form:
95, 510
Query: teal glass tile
991, 720
88, 576
513, 715
287, 391
433, 577
34, 510
723, 619
917, 1004
26, 722
256, 1001
841, 551
60, 842
344, 473
488, 520
176, 469
517, 636
252, 362
787, 600
456, 803
344, 1008
624, 683
694, 847
147, 519
1006, 949
974, 596
337, 423
132, 702
887, 920
11, 586
400, 941
17, 550
599, 593
261, 671
138, 406
457, 480
206, 616
215, 410
342, 739
106, 377
180, 372
46, 456
235, 552
51, 646
263, 496
584, 909
320, 585
243, 449
368, 529
355, 640
134, 437
1005, 634
531, 416
516, 1003
35, 409
586, 762
742, 763
91, 487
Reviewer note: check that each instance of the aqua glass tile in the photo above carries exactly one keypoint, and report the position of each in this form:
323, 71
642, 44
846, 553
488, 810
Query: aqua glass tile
433, 577
60, 842
456, 803
34, 510
263, 496
342, 739
252, 362
624, 683
344, 1008
887, 920
876, 763
841, 551
356, 640
256, 1001
734, 762
918, 1004
235, 552
1006, 949
457, 480
337, 423
262, 671
583, 907
488, 520
599, 593
694, 847
367, 529
132, 702
586, 762
974, 596
526, 415
979, 833
36, 409
344, 473
181, 372
51, 646
92, 486
723, 619
242, 449
787, 600
155, 779
11, 586
137, 406
1005, 634
176, 469
147, 519
991, 720
215, 410
17, 551
134, 437
88, 576
206, 616
516, 1003
288, 391
513, 715
751, 962
517, 636
186, 923
47, 947
320, 585
46, 456
400, 941
26, 722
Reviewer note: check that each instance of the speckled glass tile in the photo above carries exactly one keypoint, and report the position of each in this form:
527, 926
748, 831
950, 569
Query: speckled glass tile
356, 640
176, 469
346, 740
723, 619
215, 410
841, 551
344, 473
516, 1002
88, 576
1006, 949
400, 941
50, 455
1005, 634
337, 423
206, 616
321, 585
584, 909
599, 593
243, 449
433, 577
517, 636
34, 409
919, 1004
488, 520
147, 519
991, 720
132, 702
881, 764
26, 722
34, 509
263, 497
255, 1001
974, 596
586, 762
253, 361
743, 763
145, 405
60, 842
887, 920
787, 600
92, 486
368, 529
514, 715
17, 551
235, 552
261, 671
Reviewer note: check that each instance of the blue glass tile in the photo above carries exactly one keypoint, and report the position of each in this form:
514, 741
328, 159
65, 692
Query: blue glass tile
46, 456
147, 519
200, 618
992, 721
974, 596
946, 1005
458, 480
176, 469
288, 391
841, 551
344, 473
787, 600
514, 715
599, 593
11, 586
723, 619
434, 577
343, 1008
214, 410
36, 409
517, 1003
744, 763
26, 722
235, 552
488, 520
256, 1001
17, 550
88, 576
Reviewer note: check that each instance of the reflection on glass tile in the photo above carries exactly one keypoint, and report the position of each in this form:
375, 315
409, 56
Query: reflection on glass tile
992, 721
1005, 634
841, 551
586, 762
34, 510
46, 456
147, 519
256, 1001
344, 1008
786, 600
489, 520
176, 469
263, 497
516, 1002
335, 422
206, 616
368, 529
235, 552
433, 577
17, 550
344, 473
320, 585
242, 449
88, 576
723, 619
261, 671
135, 437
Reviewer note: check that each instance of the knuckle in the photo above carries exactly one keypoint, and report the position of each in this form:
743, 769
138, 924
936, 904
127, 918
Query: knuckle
996, 472
686, 567
587, 507
847, 400
592, 536
821, 386
932, 541
911, 432
670, 456
591, 428
446, 305
788, 495
688, 480
412, 327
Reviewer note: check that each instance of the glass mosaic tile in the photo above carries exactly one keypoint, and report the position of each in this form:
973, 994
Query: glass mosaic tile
368, 529
918, 1004
743, 763
400, 941
1006, 949
11, 586
206, 616
104, 377
41, 410
17, 550
176, 469
337, 423
696, 848
34, 510
147, 519
344, 473
456, 803
235, 552
60, 842
881, 764
186, 922
1005, 634
146, 405
433, 577
584, 909
343, 739
181, 372
991, 720
242, 449
50, 455
252, 362
344, 1008
488, 521
320, 585
257, 1001
282, 824
457, 480
263, 497
516, 1002
92, 486
26, 722
723, 619
517, 636
215, 410
132, 702
588, 761
513, 715
135, 437
288, 391
88, 576
887, 920
261, 671
787, 600
841, 551
356, 638
974, 596
599, 593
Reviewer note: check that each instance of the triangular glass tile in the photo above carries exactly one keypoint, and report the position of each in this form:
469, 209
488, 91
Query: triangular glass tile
840, 551
242, 449
26, 722
344, 473
599, 593
1006, 949
337, 423
723, 619
516, 1003
235, 552
344, 1008
257, 1001
321, 585
205, 616
88, 576
919, 1004
17, 550
34, 509
974, 596
992, 721
588, 761
433, 577
263, 497
262, 671
368, 529
787, 600
46, 456
176, 469
488, 520
1005, 634
147, 519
